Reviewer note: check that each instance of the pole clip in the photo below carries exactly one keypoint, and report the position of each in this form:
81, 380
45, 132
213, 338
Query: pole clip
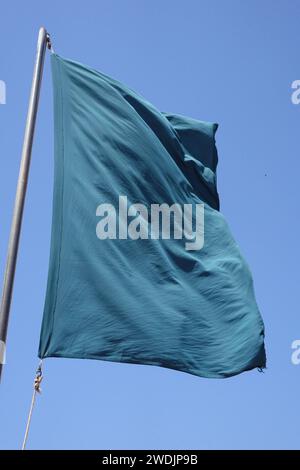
49, 43
38, 379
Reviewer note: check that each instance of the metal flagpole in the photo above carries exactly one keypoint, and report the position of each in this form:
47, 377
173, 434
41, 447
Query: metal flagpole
43, 41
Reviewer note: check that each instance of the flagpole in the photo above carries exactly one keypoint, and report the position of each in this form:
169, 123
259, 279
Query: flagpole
43, 41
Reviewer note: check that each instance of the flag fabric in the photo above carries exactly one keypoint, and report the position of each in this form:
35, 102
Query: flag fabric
143, 267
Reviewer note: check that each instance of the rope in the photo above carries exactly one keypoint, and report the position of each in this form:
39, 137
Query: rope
36, 389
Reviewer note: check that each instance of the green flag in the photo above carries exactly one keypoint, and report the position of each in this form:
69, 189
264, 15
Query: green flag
143, 267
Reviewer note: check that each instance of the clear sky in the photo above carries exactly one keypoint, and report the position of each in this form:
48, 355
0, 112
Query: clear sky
231, 62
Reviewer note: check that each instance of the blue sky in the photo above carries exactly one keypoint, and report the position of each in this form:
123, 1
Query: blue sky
231, 62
